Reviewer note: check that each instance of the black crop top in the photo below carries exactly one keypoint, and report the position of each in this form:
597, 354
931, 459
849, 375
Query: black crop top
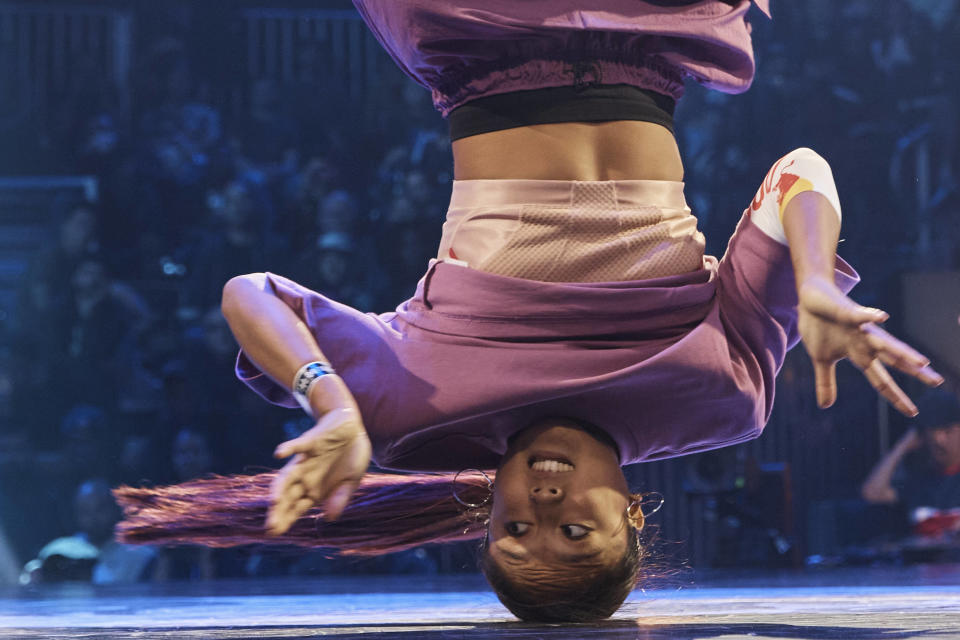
594, 103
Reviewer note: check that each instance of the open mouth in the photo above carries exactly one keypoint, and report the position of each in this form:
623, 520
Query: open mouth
552, 464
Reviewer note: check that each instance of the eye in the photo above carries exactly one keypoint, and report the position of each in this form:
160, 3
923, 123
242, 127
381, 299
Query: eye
517, 528
575, 531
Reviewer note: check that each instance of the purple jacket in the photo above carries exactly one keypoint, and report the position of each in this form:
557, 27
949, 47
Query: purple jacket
474, 48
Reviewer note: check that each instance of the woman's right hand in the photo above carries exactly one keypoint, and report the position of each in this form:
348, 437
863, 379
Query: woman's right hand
834, 327
328, 463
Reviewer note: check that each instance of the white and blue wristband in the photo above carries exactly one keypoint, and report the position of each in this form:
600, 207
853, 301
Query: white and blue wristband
305, 379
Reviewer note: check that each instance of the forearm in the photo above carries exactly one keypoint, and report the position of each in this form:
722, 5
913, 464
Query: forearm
278, 341
812, 227
878, 488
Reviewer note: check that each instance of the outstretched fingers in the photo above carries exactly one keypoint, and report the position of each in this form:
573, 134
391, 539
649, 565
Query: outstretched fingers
885, 385
292, 494
825, 378
831, 304
283, 495
301, 444
898, 354
854, 314
876, 348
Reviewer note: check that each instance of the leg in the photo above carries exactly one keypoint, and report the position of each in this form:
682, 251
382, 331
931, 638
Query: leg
277, 340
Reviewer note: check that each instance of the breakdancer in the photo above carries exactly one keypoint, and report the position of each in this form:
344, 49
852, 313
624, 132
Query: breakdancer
570, 323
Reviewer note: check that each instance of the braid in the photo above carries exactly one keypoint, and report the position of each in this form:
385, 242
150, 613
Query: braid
388, 513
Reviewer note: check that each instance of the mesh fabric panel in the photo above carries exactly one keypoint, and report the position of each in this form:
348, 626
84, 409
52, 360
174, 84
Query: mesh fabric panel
595, 240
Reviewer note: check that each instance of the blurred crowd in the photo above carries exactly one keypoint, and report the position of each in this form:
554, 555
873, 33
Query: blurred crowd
123, 362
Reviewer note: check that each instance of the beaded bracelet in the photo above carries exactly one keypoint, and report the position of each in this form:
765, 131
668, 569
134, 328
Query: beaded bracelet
306, 376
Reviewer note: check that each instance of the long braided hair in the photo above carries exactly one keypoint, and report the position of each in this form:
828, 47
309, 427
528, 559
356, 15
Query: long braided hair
389, 512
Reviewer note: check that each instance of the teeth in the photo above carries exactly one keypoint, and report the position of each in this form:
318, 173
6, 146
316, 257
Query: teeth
551, 465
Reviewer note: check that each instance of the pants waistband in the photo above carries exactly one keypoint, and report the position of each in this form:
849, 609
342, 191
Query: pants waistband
616, 193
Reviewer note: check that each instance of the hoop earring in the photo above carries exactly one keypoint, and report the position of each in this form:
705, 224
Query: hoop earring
470, 505
650, 498
637, 515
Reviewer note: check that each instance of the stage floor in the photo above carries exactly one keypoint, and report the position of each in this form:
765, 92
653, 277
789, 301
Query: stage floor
912, 602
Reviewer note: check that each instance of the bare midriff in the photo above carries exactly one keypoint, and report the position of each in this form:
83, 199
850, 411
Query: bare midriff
618, 150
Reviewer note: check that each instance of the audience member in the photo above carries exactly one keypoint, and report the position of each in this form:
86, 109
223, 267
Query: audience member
45, 294
927, 484
91, 554
138, 463
76, 240
268, 136
192, 457
338, 212
95, 355
235, 238
302, 195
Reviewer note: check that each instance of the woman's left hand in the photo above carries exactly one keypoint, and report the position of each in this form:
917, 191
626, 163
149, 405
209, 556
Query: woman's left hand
834, 327
328, 462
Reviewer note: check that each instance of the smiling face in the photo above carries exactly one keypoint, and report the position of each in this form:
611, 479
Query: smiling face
559, 500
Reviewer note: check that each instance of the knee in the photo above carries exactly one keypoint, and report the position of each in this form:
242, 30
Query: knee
239, 289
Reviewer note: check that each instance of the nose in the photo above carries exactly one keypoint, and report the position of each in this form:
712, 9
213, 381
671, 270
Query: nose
546, 495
